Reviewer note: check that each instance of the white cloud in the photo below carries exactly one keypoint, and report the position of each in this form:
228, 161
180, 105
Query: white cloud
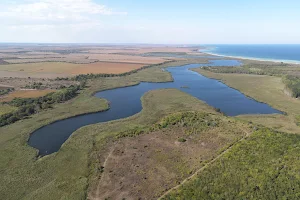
53, 12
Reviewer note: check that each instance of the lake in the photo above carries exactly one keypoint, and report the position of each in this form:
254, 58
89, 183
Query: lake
126, 101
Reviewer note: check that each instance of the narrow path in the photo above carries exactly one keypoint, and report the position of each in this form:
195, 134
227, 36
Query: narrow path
205, 166
104, 166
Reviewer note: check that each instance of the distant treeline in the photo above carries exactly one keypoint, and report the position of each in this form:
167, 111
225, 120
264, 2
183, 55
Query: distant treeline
29, 106
244, 70
83, 77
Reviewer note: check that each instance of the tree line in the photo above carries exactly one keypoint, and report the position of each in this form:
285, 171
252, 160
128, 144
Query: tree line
29, 106
82, 77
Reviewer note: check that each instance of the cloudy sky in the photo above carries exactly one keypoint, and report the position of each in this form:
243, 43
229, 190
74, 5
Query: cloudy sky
155, 21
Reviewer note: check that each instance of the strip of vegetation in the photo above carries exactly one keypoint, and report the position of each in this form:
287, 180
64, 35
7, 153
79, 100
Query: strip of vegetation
29, 106
265, 166
82, 77
6, 91
245, 70
193, 122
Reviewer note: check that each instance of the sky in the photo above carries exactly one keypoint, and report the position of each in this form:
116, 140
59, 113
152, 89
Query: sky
152, 21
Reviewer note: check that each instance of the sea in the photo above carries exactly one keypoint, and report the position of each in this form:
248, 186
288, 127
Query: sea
270, 52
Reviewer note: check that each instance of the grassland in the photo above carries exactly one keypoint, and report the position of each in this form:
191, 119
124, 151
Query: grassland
264, 166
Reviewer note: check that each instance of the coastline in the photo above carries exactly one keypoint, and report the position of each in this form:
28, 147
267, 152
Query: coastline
253, 58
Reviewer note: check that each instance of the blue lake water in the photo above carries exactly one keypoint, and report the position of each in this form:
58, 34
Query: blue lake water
268, 52
125, 102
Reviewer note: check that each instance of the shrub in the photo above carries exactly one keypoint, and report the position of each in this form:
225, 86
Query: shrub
181, 140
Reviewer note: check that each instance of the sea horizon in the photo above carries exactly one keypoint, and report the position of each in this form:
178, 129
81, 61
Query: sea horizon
287, 53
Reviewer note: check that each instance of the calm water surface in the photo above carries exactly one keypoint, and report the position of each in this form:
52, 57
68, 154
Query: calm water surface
279, 52
125, 102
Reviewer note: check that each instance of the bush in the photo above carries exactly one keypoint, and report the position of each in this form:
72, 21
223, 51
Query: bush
6, 91
181, 140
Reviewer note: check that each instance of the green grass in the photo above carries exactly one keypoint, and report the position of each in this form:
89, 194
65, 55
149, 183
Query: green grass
4, 108
264, 166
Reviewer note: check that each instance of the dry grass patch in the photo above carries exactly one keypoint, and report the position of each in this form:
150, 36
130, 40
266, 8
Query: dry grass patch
282, 123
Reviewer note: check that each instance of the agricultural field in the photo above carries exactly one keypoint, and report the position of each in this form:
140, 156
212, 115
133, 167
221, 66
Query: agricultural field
64, 61
25, 94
